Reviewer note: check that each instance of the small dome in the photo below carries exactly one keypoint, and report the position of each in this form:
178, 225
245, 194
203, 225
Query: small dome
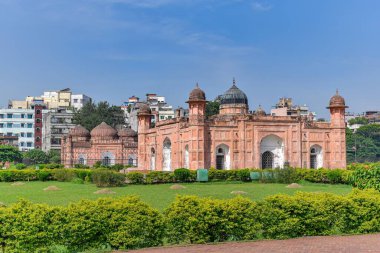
337, 101
234, 96
260, 111
126, 132
104, 131
144, 109
79, 131
197, 94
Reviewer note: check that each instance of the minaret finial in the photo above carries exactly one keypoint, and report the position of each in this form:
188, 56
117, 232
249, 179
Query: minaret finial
337, 91
197, 85
233, 81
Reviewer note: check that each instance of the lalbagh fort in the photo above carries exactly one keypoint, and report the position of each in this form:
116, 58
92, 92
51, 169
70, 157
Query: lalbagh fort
232, 139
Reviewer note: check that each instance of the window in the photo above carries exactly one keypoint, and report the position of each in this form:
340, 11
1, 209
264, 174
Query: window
81, 161
9, 115
38, 120
9, 125
169, 117
22, 134
30, 116
16, 116
75, 100
38, 112
30, 125
1, 125
16, 125
162, 117
106, 161
1, 116
28, 144
22, 124
38, 130
23, 116
267, 160
22, 144
38, 138
29, 135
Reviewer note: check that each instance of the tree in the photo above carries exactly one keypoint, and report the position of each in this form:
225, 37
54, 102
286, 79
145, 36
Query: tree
54, 156
36, 156
358, 120
364, 144
93, 114
9, 154
212, 108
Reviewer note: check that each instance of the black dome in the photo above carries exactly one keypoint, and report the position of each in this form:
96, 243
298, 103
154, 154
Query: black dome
234, 96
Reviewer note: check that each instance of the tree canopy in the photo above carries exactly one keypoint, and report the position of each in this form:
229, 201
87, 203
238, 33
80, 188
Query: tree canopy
358, 120
36, 156
212, 108
93, 114
364, 144
9, 154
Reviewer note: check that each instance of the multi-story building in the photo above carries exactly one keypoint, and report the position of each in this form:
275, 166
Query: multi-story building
9, 140
52, 100
160, 109
19, 123
56, 124
79, 100
285, 107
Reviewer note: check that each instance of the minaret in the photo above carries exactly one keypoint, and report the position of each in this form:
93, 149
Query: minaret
337, 108
337, 139
197, 106
144, 120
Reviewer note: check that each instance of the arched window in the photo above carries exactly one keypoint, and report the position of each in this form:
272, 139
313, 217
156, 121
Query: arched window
38, 129
38, 111
275, 157
166, 152
187, 162
81, 160
267, 160
106, 161
152, 159
316, 157
38, 120
222, 157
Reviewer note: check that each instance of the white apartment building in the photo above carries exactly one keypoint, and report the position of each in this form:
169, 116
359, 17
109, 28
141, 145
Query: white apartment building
19, 123
79, 100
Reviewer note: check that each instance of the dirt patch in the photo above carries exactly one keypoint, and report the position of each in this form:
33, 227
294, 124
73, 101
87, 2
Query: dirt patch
177, 187
294, 185
17, 184
2, 204
239, 192
104, 191
52, 188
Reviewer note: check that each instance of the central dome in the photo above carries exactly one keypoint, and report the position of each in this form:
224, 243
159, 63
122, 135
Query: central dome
103, 131
234, 96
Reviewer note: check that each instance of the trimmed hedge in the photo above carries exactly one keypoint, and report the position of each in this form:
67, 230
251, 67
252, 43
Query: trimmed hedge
125, 223
201, 220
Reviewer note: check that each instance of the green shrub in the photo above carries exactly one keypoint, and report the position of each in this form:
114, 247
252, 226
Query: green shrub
20, 166
117, 167
77, 180
44, 175
159, 177
81, 166
106, 178
182, 175
64, 175
135, 178
53, 166
97, 164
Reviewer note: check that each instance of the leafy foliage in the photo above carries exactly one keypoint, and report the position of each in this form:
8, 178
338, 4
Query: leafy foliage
36, 156
9, 154
358, 120
93, 114
364, 144
212, 108
107, 178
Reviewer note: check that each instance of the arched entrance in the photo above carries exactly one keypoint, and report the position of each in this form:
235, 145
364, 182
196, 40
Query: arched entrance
108, 159
222, 157
166, 152
187, 162
272, 152
152, 159
316, 157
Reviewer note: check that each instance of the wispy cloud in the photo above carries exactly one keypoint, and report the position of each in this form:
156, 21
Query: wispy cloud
260, 6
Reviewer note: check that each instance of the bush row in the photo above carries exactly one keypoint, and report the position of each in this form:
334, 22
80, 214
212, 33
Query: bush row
124, 223
100, 177
366, 177
194, 220
127, 223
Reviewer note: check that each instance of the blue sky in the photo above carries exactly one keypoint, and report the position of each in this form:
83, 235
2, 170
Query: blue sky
112, 49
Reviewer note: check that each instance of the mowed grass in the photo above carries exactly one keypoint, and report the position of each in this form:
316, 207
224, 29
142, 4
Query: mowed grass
158, 196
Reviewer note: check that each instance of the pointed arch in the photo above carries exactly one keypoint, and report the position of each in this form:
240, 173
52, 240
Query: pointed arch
166, 153
316, 157
152, 159
222, 157
272, 152
187, 158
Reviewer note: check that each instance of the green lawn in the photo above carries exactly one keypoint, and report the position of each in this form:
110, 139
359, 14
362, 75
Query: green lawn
158, 196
